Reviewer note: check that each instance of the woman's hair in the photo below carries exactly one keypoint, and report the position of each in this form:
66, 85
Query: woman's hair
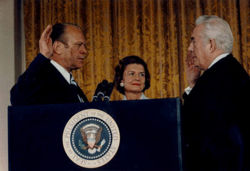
119, 69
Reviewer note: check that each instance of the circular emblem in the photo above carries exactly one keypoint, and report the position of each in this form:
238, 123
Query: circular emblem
91, 138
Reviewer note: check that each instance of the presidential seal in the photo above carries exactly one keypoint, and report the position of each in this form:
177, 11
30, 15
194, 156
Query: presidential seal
91, 138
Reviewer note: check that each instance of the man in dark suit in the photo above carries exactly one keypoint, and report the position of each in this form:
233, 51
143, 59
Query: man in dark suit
48, 79
216, 103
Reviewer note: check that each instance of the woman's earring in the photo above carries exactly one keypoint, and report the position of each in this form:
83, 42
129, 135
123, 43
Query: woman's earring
122, 84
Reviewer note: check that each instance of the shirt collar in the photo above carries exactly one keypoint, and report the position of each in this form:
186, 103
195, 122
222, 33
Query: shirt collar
217, 59
62, 70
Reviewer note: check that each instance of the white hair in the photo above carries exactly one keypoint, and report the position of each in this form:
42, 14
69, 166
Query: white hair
218, 29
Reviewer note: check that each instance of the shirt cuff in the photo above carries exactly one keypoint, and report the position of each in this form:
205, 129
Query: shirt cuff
188, 90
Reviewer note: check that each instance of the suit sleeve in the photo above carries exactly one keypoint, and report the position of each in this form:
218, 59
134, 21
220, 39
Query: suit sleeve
25, 91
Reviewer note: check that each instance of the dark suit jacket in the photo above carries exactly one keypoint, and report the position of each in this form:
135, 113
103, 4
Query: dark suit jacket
42, 83
215, 131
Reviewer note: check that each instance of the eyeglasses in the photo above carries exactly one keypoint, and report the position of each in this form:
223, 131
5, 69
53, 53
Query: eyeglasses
78, 45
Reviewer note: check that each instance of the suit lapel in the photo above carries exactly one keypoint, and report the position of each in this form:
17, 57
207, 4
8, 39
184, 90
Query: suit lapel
67, 89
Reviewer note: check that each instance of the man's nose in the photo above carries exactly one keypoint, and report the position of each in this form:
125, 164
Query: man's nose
83, 49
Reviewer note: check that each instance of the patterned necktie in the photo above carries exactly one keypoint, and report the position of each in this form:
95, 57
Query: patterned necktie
73, 82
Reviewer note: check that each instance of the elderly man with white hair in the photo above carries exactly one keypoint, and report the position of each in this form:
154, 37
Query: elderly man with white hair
216, 103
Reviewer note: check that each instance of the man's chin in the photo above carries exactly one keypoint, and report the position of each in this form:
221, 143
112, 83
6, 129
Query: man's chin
76, 67
79, 65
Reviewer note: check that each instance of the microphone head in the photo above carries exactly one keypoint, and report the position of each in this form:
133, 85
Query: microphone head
104, 82
110, 87
108, 92
100, 87
103, 91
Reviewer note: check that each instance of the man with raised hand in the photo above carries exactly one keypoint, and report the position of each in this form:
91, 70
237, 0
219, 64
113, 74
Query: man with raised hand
216, 103
48, 79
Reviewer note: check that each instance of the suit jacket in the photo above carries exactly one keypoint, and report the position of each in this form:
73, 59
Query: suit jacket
42, 83
214, 124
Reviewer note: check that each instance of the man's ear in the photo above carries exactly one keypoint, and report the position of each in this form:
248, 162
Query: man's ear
58, 47
212, 46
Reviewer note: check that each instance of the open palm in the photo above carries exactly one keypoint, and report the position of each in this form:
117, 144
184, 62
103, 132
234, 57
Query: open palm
45, 42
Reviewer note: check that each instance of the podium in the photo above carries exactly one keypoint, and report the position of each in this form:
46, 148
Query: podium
150, 137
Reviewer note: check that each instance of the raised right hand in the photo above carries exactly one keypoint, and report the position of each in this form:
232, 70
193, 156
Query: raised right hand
45, 42
193, 72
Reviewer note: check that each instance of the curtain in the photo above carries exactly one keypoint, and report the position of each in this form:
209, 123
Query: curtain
157, 30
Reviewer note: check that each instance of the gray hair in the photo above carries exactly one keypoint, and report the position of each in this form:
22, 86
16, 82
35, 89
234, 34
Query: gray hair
218, 29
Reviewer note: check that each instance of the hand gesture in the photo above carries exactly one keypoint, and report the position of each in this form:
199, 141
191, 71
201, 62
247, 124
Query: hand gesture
193, 71
45, 42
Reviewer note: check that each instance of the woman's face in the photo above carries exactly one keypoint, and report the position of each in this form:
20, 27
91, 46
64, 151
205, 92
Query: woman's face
134, 78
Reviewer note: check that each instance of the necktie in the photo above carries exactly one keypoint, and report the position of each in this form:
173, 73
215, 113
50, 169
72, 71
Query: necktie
75, 86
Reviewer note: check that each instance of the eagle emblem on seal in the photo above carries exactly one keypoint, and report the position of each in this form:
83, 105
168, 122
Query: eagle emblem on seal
91, 138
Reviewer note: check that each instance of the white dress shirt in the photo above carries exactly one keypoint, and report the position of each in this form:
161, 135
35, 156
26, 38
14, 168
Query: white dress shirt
62, 70
68, 76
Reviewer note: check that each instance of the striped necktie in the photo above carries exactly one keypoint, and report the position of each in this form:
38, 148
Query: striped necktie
73, 82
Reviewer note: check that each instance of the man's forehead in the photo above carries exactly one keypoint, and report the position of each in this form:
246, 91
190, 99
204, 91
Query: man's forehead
197, 31
73, 29
73, 32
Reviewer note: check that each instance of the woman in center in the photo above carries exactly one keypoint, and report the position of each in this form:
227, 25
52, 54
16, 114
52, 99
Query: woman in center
132, 78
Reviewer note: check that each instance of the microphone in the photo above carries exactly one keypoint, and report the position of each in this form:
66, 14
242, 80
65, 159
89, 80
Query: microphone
99, 91
103, 91
109, 88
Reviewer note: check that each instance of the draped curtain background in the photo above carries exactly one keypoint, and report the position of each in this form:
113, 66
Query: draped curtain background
157, 30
